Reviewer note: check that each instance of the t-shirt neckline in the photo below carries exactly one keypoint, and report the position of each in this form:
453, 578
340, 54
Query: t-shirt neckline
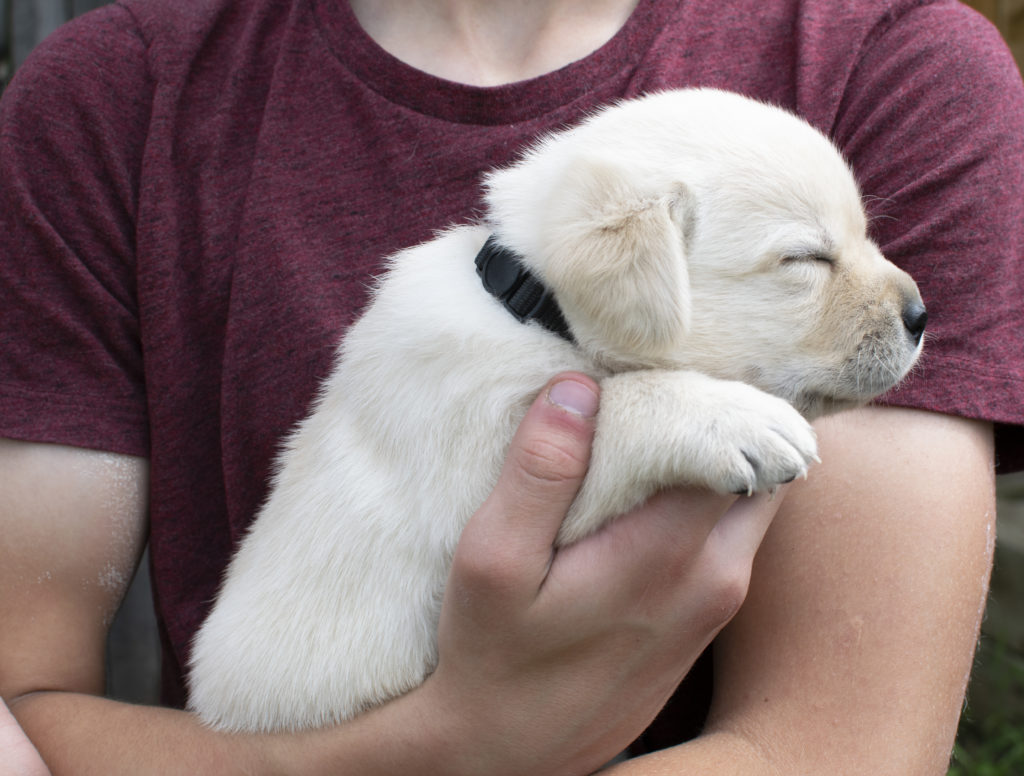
416, 90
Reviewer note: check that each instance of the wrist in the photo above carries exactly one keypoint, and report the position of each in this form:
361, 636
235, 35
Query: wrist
429, 735
410, 734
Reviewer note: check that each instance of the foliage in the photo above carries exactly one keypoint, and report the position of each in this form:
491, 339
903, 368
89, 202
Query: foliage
990, 740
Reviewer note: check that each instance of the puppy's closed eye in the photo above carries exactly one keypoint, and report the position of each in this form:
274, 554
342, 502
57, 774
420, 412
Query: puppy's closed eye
810, 257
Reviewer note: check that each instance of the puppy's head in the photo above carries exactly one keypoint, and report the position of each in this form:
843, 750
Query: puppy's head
699, 229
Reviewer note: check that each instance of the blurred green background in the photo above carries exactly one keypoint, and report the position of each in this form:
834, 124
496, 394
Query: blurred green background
990, 741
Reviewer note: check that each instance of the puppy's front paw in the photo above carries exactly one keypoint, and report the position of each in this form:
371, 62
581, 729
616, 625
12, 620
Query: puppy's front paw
758, 442
660, 428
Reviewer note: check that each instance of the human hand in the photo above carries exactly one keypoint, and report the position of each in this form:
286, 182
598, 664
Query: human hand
553, 661
19, 756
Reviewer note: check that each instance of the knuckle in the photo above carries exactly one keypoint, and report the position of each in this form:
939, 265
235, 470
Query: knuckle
486, 571
727, 590
546, 462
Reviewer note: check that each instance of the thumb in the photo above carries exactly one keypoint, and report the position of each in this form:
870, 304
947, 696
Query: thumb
20, 757
544, 468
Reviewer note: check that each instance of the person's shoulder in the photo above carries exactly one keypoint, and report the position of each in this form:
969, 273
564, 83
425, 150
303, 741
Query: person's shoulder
146, 37
880, 12
95, 59
941, 52
931, 25
868, 22
170, 22
202, 42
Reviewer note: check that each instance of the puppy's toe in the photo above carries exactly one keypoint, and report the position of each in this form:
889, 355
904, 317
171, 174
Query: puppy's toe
777, 454
742, 478
774, 467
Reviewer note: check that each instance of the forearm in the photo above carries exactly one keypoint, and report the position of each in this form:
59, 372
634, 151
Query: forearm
549, 663
84, 735
710, 753
57, 521
851, 653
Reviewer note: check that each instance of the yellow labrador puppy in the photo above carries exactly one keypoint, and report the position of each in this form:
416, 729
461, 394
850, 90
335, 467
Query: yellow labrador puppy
704, 255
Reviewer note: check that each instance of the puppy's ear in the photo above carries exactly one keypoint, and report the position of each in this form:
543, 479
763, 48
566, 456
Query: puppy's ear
615, 256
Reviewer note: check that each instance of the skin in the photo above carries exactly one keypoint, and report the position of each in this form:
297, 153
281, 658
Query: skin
852, 652
849, 656
491, 43
598, 633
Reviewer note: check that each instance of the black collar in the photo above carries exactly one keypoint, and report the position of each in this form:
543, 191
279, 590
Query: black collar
511, 283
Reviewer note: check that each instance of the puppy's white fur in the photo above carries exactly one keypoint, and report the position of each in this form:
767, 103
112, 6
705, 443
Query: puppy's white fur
710, 255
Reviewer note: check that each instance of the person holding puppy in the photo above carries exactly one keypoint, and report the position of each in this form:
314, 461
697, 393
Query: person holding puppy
192, 201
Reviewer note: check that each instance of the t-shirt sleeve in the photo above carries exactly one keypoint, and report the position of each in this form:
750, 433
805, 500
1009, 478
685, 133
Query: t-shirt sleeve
933, 123
72, 129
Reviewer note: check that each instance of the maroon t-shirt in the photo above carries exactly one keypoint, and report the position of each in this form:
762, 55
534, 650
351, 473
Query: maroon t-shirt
194, 196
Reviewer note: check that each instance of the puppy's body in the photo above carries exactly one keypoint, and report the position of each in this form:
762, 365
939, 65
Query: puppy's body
709, 254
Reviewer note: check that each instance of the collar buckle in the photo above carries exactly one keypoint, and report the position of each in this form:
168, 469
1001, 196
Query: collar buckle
506, 278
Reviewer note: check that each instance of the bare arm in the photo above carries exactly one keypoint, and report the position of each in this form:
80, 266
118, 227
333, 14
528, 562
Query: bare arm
71, 562
852, 652
531, 640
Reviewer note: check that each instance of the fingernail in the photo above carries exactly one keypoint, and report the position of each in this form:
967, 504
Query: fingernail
574, 397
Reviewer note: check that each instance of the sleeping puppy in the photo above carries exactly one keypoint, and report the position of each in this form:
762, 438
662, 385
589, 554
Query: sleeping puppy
703, 255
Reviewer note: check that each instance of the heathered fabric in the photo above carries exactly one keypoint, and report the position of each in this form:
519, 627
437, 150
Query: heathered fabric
195, 195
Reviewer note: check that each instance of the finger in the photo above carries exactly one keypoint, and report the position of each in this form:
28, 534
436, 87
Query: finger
658, 541
513, 532
739, 532
20, 757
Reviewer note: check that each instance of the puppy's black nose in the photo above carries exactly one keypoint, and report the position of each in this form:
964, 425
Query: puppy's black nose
915, 317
